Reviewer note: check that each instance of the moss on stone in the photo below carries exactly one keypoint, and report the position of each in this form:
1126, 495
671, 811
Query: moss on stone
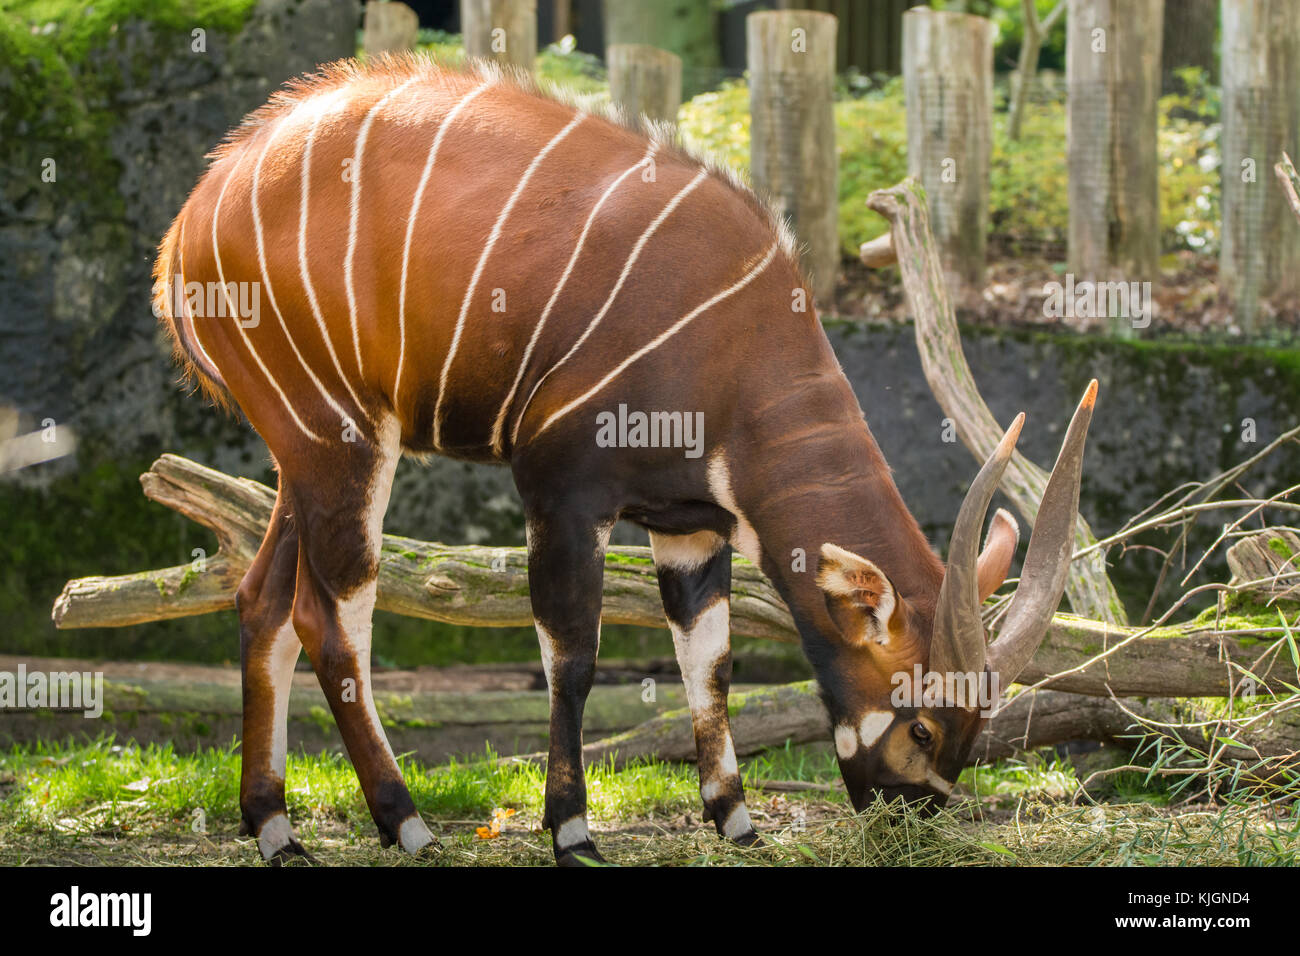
60, 96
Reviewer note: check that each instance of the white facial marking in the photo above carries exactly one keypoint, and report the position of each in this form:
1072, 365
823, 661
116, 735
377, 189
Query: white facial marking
413, 834
846, 741
684, 552
410, 229
737, 823
482, 261
233, 311
354, 207
663, 337
745, 538
276, 834
498, 426
873, 725
572, 832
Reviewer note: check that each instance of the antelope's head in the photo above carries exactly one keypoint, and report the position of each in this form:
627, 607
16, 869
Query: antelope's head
910, 689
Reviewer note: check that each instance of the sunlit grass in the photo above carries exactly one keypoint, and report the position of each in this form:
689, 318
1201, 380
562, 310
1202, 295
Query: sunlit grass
101, 802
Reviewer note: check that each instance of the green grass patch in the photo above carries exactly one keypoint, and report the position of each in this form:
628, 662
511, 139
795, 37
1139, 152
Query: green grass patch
100, 801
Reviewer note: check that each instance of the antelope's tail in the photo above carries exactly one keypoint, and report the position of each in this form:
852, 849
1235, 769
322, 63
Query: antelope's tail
169, 305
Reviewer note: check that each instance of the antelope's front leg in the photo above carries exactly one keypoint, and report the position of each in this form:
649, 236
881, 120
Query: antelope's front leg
695, 583
566, 563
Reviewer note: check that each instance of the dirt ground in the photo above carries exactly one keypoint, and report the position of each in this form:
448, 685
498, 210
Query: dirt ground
1187, 299
683, 838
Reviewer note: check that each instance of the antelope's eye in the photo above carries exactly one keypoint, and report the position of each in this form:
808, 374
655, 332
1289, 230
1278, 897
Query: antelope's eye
921, 734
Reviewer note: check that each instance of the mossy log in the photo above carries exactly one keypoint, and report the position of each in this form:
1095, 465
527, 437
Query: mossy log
1088, 588
1271, 558
771, 716
482, 586
435, 713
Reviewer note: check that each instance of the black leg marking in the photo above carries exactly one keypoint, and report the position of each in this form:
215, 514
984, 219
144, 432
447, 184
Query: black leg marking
566, 554
695, 583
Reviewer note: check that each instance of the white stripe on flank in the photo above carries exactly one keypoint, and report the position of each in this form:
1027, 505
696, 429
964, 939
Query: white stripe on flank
627, 269
185, 301
482, 261
499, 425
354, 206
664, 337
230, 306
266, 281
302, 257
410, 230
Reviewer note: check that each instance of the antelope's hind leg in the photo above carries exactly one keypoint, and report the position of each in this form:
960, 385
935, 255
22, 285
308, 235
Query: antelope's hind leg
269, 650
339, 494
695, 584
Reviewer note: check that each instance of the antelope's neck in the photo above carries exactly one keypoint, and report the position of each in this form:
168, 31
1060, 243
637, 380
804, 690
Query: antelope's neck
807, 471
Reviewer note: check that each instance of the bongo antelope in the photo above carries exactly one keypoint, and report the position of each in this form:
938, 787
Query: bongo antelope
450, 262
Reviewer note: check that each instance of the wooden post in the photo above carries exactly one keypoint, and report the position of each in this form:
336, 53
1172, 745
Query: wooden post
688, 29
561, 18
1260, 254
948, 85
645, 79
1113, 78
389, 27
791, 57
501, 30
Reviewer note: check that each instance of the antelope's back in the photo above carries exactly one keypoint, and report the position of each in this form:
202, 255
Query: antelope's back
451, 247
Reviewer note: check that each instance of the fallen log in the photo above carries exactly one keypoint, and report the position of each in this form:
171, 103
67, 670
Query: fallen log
1271, 558
1088, 587
433, 713
771, 716
483, 586
454, 584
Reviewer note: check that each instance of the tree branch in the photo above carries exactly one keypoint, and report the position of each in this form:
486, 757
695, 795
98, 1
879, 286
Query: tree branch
1088, 588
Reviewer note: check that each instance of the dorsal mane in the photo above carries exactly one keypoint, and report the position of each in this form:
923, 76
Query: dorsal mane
400, 67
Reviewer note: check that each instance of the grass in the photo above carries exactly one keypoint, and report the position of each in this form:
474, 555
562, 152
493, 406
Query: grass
102, 802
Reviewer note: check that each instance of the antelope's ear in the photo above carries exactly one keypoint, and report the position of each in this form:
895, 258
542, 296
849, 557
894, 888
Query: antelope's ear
861, 600
994, 562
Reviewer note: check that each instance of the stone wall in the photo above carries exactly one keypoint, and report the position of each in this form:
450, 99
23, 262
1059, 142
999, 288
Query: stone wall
78, 341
